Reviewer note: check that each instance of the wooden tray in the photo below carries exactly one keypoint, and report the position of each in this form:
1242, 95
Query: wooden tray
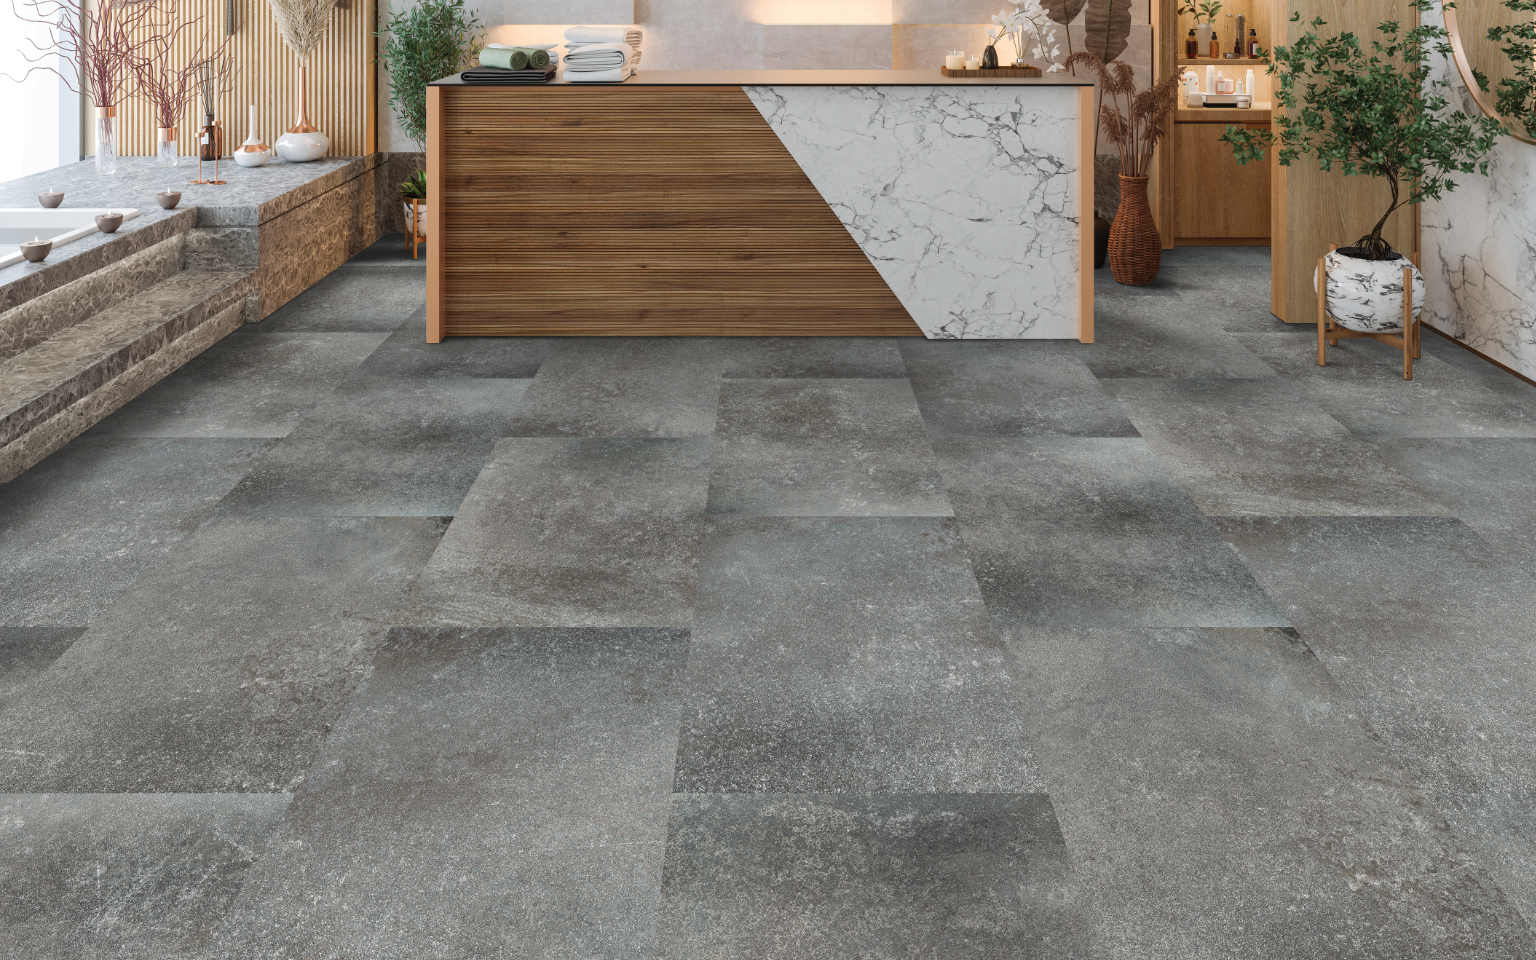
994, 72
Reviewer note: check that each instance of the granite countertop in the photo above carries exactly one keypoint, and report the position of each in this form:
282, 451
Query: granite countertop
792, 78
251, 196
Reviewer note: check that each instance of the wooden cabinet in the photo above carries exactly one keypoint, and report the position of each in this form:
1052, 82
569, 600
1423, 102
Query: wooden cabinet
1215, 200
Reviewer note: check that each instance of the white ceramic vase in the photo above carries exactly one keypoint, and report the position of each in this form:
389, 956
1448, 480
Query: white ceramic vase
302, 147
1367, 295
421, 227
252, 153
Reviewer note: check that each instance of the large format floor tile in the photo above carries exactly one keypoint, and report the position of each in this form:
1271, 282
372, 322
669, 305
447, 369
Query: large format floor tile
381, 447
80, 527
1426, 630
407, 355
846, 655
1010, 388
574, 532
957, 876
25, 652
488, 793
624, 387
1165, 337
790, 357
1363, 388
1071, 531
113, 875
823, 448
352, 301
1222, 797
225, 666
244, 386
1257, 448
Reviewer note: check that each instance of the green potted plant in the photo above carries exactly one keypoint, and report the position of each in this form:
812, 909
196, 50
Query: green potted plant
432, 40
1371, 110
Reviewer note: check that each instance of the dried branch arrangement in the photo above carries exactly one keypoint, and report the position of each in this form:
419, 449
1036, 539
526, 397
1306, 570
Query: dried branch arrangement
101, 44
1134, 122
168, 85
302, 23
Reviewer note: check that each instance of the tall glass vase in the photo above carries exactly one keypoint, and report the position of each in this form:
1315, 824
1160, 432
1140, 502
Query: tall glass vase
165, 146
106, 140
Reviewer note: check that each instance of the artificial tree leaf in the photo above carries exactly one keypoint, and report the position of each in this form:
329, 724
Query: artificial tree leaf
1063, 12
1108, 26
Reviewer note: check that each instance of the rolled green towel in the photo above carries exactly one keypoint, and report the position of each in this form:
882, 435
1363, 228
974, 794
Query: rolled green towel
538, 59
514, 58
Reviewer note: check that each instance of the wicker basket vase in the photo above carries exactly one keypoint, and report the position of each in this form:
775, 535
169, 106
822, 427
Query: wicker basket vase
1135, 249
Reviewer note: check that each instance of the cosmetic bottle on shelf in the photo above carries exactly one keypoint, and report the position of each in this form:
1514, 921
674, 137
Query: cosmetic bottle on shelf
1215, 47
1192, 47
1253, 44
1238, 36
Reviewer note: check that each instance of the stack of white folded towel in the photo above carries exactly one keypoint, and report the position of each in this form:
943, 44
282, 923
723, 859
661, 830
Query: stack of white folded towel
601, 54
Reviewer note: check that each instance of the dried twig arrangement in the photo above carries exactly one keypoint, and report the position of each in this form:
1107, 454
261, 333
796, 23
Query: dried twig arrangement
99, 44
168, 85
1136, 127
302, 23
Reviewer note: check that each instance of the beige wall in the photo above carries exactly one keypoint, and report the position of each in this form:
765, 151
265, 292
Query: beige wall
769, 34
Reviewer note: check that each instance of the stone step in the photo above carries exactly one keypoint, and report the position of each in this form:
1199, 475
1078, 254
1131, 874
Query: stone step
56, 374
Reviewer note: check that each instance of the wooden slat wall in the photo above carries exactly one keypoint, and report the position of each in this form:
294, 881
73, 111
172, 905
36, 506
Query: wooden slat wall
662, 212
342, 92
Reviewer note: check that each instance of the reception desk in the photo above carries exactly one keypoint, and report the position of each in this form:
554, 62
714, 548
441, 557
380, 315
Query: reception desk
762, 203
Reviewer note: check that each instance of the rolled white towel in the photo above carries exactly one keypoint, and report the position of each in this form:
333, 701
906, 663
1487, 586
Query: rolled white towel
612, 75
603, 35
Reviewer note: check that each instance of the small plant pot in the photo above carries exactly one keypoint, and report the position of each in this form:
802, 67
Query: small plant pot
168, 199
1367, 295
50, 200
38, 251
420, 227
108, 222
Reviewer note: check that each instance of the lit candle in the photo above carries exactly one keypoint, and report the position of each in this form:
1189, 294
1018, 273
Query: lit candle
973, 64
955, 61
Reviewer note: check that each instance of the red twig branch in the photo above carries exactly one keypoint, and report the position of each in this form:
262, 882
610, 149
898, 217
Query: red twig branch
167, 87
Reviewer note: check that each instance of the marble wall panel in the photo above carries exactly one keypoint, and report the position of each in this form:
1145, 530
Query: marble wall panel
1477, 250
305, 244
34, 321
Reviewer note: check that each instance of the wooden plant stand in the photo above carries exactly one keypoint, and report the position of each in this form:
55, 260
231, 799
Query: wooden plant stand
1330, 331
414, 238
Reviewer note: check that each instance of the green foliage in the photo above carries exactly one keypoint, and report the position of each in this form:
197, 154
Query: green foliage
414, 187
1202, 10
1371, 110
1515, 100
432, 40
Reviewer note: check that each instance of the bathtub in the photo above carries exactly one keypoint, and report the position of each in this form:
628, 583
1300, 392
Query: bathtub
63, 225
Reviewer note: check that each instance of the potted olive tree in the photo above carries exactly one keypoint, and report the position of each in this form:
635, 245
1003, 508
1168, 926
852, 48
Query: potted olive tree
1371, 110
432, 40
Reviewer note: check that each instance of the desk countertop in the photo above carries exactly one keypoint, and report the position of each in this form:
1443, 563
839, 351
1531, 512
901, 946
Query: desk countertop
792, 78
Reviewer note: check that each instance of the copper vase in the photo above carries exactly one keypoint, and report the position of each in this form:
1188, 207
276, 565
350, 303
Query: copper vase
1135, 248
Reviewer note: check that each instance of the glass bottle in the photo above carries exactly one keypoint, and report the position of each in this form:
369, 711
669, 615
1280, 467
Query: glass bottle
1192, 47
106, 140
1253, 44
1215, 46
165, 146
207, 148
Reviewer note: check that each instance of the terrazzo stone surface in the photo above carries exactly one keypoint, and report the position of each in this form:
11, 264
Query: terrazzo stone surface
1093, 715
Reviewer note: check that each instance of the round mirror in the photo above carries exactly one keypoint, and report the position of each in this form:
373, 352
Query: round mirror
1492, 44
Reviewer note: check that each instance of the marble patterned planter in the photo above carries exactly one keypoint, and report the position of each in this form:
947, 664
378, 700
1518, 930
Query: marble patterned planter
421, 228
1367, 295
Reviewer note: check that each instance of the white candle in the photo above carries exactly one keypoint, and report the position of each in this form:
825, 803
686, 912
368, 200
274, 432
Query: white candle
955, 61
973, 64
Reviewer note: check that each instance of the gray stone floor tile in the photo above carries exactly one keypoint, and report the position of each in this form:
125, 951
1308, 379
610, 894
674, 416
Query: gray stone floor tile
493, 792
351, 301
936, 875
408, 356
224, 667
774, 358
1203, 257
381, 447
1080, 532
848, 655
1494, 378
1154, 337
823, 448
1011, 388
1489, 483
624, 387
1223, 797
1430, 633
1232, 299
25, 652
1258, 448
244, 386
390, 250
1363, 388
81, 526
573, 532
112, 875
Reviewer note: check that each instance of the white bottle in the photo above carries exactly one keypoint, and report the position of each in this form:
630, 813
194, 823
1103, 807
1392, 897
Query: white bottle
1210, 79
1249, 86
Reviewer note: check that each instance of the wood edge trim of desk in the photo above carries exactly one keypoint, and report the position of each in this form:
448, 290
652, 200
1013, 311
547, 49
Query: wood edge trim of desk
435, 216
1086, 124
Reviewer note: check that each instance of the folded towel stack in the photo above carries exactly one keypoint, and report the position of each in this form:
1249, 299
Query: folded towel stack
601, 54
504, 64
